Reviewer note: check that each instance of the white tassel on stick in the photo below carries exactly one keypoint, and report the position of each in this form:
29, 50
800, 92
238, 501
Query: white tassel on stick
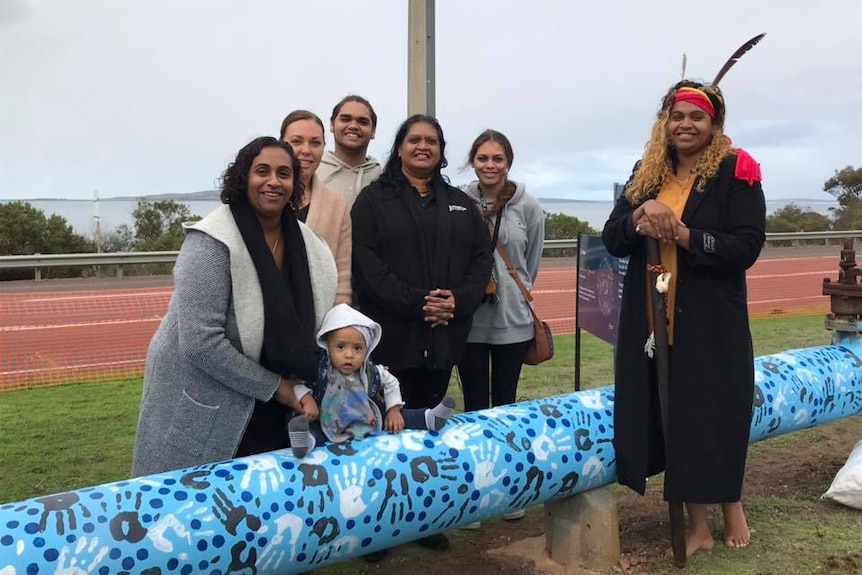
662, 282
649, 346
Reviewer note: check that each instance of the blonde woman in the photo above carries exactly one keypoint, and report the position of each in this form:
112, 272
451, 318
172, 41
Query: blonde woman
320, 208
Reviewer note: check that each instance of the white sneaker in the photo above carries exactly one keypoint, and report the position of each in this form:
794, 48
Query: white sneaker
472, 526
513, 515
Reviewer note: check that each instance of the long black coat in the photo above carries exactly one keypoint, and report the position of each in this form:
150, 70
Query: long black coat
711, 370
395, 266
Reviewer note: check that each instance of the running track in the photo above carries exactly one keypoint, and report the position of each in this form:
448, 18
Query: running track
49, 337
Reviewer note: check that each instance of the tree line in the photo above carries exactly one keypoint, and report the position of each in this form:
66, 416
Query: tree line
157, 226
846, 187
26, 230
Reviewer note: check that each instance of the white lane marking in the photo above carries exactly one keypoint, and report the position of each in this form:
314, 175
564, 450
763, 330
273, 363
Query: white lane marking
72, 325
777, 300
96, 296
767, 260
792, 274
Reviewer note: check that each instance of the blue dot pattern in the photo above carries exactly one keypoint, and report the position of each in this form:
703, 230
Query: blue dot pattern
272, 513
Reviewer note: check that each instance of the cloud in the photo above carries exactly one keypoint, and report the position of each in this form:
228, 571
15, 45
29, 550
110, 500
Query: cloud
135, 98
12, 11
778, 133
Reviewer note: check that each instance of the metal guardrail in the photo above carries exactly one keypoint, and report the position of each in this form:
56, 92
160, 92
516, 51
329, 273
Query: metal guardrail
72, 260
771, 238
119, 259
39, 261
806, 236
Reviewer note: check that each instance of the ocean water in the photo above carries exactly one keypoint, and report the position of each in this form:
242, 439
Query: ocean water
83, 214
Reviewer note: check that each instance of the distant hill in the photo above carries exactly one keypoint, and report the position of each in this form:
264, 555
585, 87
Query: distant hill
213, 195
187, 197
570, 201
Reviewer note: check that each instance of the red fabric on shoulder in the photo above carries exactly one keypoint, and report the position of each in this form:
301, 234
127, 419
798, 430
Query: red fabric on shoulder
747, 168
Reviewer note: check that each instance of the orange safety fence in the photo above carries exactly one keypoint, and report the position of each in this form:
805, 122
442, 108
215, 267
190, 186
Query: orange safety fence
101, 334
56, 337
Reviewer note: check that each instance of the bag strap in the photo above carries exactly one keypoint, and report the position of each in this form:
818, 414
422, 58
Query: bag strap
514, 273
496, 233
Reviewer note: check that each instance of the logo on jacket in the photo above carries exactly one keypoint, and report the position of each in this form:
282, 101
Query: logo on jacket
709, 243
454, 208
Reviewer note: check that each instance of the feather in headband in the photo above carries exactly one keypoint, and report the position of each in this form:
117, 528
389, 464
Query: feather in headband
736, 56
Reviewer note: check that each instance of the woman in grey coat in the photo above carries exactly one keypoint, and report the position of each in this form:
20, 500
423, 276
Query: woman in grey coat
251, 286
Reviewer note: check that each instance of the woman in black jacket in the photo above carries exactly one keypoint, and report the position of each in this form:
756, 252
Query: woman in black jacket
702, 200
421, 262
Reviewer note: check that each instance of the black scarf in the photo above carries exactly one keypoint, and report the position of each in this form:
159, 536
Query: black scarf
289, 348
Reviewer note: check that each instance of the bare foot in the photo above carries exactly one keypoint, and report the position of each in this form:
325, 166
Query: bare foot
736, 533
698, 536
697, 541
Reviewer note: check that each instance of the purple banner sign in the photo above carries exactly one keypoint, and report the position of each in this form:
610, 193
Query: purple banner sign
600, 288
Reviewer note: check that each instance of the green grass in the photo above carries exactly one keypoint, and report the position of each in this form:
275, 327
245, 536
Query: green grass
59, 438
62, 438
788, 541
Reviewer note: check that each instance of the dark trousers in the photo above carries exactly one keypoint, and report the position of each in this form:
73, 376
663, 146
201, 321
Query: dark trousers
413, 419
422, 388
493, 370
266, 430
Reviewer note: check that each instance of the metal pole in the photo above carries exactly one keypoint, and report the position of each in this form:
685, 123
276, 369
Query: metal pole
98, 221
420, 57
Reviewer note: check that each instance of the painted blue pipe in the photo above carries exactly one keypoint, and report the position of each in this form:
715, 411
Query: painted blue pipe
275, 514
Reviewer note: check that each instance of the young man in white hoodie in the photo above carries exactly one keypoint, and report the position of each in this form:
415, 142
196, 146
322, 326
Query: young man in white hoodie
349, 168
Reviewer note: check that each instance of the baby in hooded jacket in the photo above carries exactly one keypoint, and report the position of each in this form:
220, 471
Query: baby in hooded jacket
353, 397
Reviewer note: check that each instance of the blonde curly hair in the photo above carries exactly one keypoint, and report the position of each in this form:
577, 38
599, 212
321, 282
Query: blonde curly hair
659, 158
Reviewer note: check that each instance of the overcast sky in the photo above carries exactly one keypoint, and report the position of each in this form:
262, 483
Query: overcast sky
156, 96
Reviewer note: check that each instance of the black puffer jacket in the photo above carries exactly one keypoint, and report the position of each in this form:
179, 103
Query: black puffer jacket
401, 252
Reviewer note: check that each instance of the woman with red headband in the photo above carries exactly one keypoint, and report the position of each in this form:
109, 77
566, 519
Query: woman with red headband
702, 200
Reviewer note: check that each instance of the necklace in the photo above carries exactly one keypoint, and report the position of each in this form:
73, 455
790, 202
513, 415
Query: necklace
487, 204
275, 245
685, 179
683, 183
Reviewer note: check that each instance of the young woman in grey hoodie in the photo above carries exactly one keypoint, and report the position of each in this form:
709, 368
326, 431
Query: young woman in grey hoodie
503, 325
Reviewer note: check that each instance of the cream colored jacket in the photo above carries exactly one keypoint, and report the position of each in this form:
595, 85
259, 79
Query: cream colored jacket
329, 217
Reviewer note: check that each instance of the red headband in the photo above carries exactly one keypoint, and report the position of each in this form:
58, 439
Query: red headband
696, 97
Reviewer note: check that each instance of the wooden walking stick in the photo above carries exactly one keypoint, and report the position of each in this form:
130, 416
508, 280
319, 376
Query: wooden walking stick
662, 363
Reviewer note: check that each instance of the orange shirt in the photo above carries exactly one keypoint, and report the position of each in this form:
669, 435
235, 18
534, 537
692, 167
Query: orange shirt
674, 194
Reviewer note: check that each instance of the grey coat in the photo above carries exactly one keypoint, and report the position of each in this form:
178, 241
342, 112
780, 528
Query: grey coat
202, 373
